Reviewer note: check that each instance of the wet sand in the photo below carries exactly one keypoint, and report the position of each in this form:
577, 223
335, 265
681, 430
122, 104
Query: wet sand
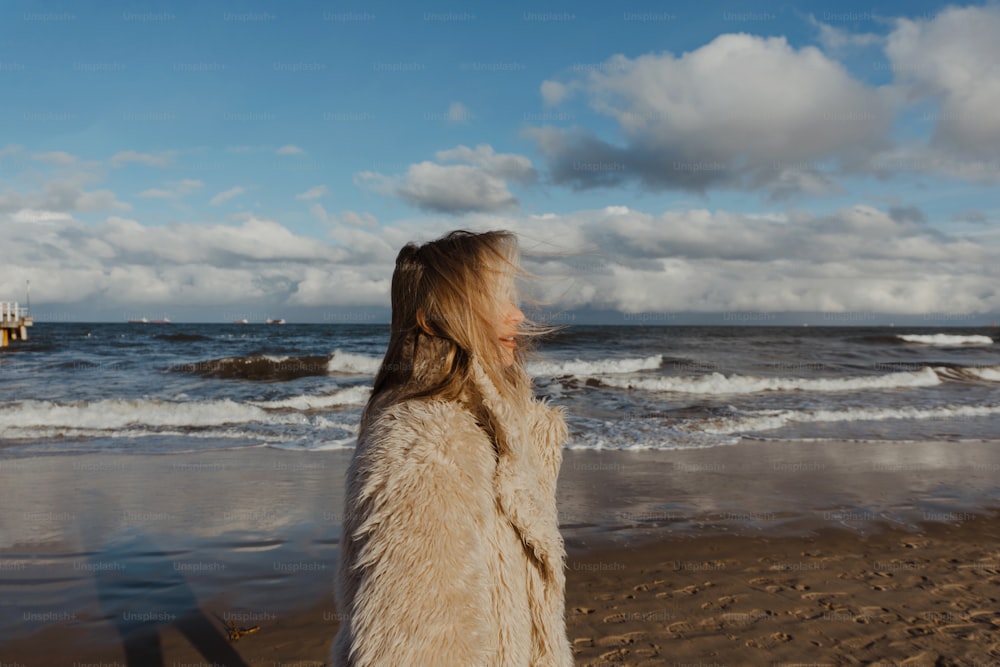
764, 553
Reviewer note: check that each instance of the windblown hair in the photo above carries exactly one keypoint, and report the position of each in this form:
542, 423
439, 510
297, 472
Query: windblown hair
448, 297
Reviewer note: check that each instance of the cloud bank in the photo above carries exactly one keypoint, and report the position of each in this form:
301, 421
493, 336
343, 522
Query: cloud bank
859, 258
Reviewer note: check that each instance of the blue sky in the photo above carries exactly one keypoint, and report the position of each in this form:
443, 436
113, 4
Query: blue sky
207, 159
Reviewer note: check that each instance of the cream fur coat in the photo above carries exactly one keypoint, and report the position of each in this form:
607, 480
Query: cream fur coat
451, 553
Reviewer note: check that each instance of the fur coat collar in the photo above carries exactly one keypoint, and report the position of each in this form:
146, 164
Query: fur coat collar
530, 507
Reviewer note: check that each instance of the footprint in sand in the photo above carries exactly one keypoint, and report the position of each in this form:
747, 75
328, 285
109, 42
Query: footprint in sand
618, 655
913, 544
652, 652
583, 610
951, 588
727, 601
861, 643
984, 615
679, 628
805, 614
925, 658
875, 613
744, 618
919, 630
959, 630
820, 597
769, 641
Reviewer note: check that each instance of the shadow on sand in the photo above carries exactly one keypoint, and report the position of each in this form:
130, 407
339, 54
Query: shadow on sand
142, 592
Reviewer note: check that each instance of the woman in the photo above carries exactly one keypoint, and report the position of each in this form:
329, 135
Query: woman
451, 552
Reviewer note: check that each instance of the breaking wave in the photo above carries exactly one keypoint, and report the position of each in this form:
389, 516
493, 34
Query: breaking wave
590, 368
717, 383
348, 396
257, 367
265, 367
767, 420
948, 340
112, 414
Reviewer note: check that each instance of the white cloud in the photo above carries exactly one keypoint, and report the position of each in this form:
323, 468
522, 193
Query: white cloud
314, 192
738, 112
477, 183
122, 262
459, 113
226, 195
454, 189
954, 58
859, 258
289, 149
935, 159
162, 159
157, 193
554, 92
175, 189
59, 158
63, 195
319, 211
837, 39
350, 218
508, 166
33, 216
324, 286
10, 149
358, 219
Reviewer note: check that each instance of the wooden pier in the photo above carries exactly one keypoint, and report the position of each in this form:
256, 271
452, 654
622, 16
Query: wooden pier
14, 322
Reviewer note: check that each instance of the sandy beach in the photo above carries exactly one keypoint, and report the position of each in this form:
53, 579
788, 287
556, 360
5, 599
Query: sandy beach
770, 553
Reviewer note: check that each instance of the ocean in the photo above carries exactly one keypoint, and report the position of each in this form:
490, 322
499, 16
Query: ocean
174, 388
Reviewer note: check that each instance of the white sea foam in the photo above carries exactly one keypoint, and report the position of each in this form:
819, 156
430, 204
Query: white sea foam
717, 383
583, 368
313, 445
346, 362
136, 432
768, 420
945, 339
629, 435
111, 414
347, 396
991, 373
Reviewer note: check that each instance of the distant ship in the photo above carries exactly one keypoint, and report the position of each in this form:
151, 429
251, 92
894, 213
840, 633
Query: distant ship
279, 321
141, 320
243, 321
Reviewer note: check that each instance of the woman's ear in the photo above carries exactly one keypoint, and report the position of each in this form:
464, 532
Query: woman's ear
423, 324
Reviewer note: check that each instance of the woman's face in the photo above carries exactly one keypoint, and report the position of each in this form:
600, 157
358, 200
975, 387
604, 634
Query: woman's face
507, 333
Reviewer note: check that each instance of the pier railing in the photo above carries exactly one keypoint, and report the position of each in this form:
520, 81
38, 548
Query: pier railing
12, 312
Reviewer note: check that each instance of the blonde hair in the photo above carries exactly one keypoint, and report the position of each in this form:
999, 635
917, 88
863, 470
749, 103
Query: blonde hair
448, 297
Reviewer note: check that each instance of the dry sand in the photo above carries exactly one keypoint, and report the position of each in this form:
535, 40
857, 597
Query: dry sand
897, 597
